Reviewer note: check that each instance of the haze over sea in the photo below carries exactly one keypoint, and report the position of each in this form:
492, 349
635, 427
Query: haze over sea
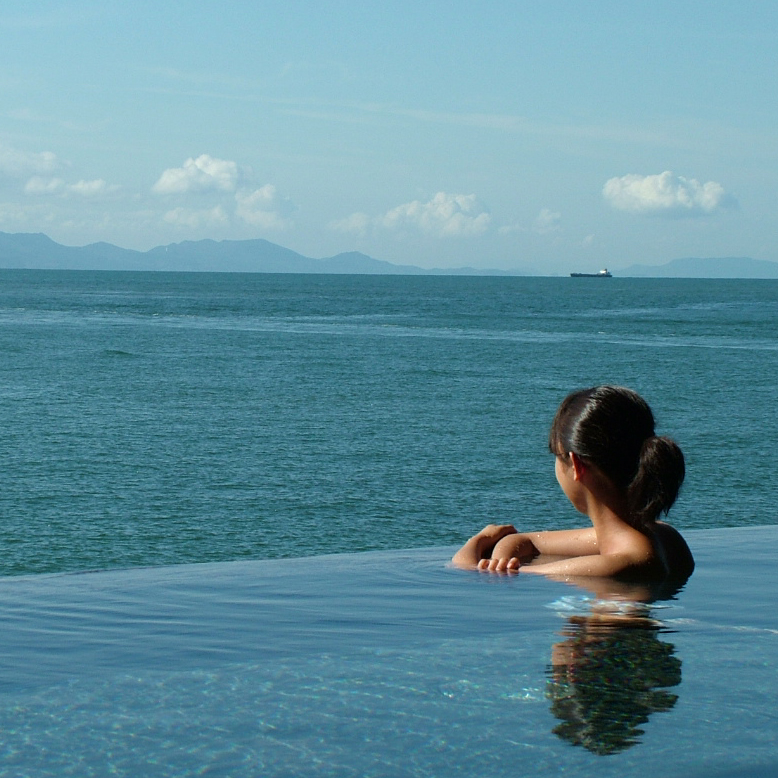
158, 418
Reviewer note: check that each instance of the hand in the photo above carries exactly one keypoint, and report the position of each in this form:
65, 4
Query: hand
500, 565
480, 546
490, 536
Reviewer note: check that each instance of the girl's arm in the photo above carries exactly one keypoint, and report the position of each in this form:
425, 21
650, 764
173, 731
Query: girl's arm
601, 565
565, 542
582, 552
502, 541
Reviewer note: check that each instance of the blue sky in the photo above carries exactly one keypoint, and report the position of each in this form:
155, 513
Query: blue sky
544, 137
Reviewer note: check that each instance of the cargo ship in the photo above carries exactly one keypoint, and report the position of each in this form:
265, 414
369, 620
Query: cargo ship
602, 274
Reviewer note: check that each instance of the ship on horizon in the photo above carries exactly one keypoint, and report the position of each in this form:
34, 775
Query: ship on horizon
604, 273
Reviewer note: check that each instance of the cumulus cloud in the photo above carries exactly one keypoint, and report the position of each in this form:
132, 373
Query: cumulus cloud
92, 188
204, 174
356, 224
196, 219
445, 215
13, 213
22, 163
664, 193
39, 185
509, 229
547, 221
264, 208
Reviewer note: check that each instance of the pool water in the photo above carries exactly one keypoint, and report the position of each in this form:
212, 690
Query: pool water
391, 664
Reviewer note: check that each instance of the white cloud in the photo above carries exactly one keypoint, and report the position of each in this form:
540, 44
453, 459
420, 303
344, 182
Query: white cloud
445, 215
664, 193
18, 215
209, 217
21, 163
264, 208
92, 188
509, 229
356, 224
38, 185
203, 174
547, 221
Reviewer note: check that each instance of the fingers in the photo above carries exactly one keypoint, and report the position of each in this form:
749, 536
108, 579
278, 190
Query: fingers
503, 565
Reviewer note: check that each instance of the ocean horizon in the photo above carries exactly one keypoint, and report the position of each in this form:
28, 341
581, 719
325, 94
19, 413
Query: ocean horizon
36, 251
158, 418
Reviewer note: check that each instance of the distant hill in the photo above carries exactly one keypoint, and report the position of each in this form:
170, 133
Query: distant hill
37, 251
713, 267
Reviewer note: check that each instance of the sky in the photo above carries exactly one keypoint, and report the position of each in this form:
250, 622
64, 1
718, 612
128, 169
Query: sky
539, 137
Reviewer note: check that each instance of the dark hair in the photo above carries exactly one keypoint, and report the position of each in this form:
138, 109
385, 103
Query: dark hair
613, 428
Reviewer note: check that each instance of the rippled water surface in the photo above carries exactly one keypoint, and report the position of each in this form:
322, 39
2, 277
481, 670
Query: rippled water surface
152, 418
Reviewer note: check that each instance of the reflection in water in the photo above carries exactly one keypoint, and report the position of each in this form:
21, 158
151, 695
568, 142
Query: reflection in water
609, 674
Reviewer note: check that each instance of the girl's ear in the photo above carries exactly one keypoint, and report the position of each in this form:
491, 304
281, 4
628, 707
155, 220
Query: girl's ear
579, 468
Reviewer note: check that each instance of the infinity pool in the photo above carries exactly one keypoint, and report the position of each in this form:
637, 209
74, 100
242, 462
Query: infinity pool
391, 664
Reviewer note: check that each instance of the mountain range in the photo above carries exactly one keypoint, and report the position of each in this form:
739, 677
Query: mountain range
37, 251
702, 267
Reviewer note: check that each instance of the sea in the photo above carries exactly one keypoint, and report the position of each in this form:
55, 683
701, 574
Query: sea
174, 418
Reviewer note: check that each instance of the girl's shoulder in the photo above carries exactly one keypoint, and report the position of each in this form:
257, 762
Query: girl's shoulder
676, 553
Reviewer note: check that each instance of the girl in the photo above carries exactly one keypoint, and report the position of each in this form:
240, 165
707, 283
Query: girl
614, 469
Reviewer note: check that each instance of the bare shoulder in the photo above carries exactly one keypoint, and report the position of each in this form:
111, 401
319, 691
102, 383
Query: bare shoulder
676, 552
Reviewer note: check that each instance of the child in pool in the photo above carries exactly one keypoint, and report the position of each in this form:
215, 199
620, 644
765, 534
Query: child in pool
612, 467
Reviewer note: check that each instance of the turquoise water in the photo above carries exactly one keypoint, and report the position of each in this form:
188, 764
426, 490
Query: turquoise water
390, 664
256, 431
178, 418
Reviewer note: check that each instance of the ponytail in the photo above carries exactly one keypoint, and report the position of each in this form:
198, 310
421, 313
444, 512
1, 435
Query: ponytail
613, 428
658, 479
